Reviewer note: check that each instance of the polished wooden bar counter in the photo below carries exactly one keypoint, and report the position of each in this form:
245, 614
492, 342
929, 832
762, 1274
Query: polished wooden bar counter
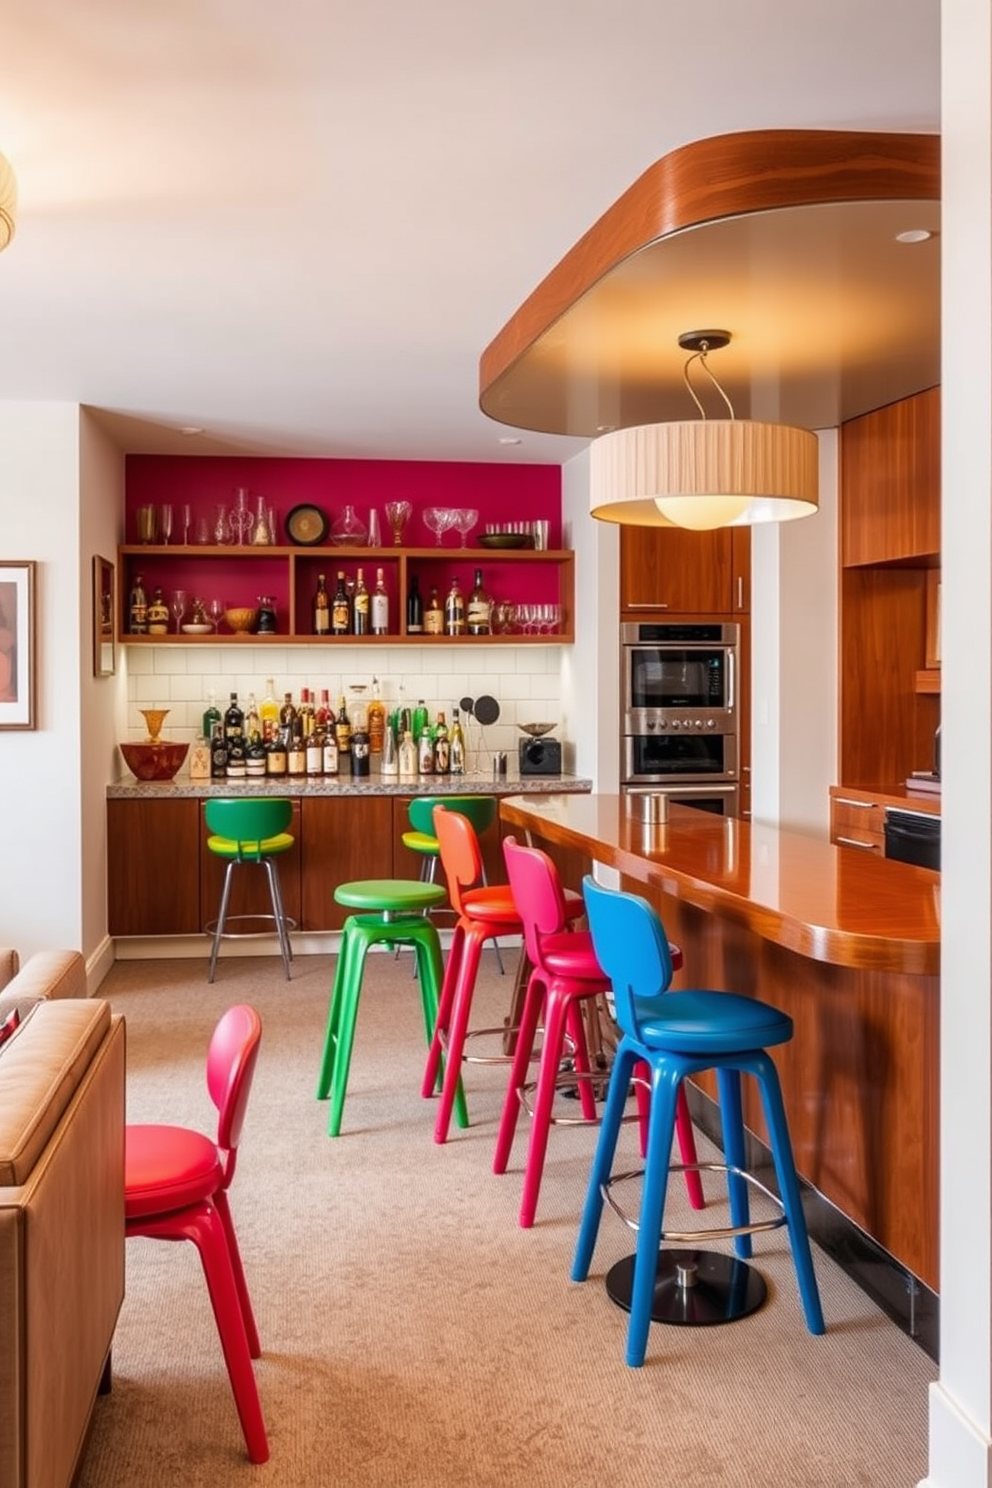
848, 945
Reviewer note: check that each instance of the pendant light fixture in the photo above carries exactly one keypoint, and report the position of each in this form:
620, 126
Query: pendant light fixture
8, 202
704, 473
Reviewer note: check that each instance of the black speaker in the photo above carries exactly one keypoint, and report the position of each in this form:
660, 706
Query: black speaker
540, 757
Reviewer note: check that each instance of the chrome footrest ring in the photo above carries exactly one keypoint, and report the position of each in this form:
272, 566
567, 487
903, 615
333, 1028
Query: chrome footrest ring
716, 1232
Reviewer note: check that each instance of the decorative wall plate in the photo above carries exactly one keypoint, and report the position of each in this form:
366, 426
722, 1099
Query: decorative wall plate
306, 526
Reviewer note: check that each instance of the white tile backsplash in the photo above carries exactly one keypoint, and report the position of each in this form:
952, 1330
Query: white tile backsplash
524, 680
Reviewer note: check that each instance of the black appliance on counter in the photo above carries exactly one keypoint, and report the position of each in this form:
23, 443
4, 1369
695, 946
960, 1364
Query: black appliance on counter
912, 837
538, 754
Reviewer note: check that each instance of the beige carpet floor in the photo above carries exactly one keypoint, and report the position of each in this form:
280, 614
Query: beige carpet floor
413, 1335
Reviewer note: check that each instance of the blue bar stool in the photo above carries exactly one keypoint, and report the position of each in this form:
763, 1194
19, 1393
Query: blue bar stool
677, 1034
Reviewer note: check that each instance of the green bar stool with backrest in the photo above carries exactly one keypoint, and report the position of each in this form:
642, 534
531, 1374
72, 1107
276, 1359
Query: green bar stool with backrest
249, 830
390, 912
421, 838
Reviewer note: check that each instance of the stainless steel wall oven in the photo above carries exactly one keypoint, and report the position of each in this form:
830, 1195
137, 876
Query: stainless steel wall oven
680, 717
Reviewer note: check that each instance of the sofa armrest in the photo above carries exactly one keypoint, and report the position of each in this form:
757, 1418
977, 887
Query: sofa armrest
9, 965
44, 976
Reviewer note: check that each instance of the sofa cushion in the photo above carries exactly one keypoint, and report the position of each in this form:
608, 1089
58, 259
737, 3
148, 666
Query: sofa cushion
39, 1072
46, 974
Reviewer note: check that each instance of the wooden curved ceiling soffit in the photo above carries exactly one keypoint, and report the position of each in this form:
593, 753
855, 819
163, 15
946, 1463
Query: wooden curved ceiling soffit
786, 238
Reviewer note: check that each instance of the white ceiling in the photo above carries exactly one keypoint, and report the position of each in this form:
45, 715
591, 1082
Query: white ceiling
297, 226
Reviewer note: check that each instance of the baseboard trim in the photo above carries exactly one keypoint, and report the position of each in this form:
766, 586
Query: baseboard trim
903, 1297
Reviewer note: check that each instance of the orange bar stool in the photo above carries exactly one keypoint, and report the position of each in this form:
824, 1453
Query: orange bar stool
175, 1188
421, 838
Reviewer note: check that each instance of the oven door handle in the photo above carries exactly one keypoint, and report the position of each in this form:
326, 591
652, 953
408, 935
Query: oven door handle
731, 678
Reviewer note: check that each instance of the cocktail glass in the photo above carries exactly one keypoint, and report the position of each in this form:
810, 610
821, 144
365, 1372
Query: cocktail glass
437, 519
216, 610
465, 518
397, 515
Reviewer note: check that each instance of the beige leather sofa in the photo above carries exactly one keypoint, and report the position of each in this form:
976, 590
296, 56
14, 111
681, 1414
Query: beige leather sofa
61, 1219
46, 974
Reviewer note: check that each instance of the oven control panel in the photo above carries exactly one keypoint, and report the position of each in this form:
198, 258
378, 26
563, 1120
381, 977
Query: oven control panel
651, 721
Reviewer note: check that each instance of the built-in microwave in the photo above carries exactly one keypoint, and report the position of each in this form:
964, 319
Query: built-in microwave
679, 755
672, 674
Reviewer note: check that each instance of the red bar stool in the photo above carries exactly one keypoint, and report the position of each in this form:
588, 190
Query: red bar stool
565, 974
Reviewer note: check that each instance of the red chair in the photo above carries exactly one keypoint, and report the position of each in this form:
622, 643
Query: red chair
176, 1183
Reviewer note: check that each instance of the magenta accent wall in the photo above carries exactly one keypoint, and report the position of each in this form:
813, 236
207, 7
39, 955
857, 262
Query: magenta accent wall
500, 493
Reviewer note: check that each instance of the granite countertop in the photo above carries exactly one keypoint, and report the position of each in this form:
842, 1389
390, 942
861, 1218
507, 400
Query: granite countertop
474, 783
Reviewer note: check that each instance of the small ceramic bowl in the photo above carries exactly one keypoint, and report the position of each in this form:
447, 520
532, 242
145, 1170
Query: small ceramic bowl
241, 620
159, 761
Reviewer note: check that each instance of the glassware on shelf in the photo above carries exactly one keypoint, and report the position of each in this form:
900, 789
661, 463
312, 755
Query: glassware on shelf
262, 535
375, 532
437, 519
348, 529
187, 522
178, 606
397, 515
241, 520
165, 521
465, 518
266, 624
201, 532
503, 616
216, 610
154, 719
222, 531
147, 520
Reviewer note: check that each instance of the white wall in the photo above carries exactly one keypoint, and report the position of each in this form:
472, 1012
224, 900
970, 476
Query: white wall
590, 685
794, 590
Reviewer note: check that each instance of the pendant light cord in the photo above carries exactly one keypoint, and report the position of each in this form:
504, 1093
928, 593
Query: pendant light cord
700, 357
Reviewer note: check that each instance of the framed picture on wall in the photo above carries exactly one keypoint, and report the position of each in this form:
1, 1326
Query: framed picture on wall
104, 610
17, 645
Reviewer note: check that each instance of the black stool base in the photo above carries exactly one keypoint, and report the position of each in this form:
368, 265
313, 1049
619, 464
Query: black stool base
720, 1288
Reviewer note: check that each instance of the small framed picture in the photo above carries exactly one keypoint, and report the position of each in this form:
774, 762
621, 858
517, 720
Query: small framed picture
17, 645
104, 610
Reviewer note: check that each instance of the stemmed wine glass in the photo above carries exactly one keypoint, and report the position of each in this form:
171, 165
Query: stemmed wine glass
397, 515
178, 606
437, 519
465, 518
216, 613
165, 521
187, 522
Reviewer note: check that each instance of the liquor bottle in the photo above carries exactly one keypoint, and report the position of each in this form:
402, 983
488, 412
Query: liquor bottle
377, 719
360, 618
479, 608
457, 744
269, 711
234, 722
296, 758
315, 750
434, 615
237, 757
321, 608
360, 761
158, 615
390, 761
342, 732
454, 611
211, 716
324, 716
420, 719
442, 747
255, 758
287, 716
331, 764
275, 755
137, 609
425, 753
307, 713
218, 752
341, 609
379, 608
253, 724
407, 757
414, 608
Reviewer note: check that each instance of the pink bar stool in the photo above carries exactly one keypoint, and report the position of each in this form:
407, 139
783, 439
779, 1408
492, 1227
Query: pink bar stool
565, 973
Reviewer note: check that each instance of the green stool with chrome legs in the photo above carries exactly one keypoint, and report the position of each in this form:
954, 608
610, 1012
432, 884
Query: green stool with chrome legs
390, 912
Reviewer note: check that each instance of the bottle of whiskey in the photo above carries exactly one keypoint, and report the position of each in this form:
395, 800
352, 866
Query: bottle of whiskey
342, 732
360, 617
287, 717
457, 748
315, 750
321, 608
158, 615
138, 608
253, 724
341, 609
269, 711
296, 758
275, 755
376, 719
434, 616
479, 608
380, 606
331, 764
307, 713
454, 611
414, 608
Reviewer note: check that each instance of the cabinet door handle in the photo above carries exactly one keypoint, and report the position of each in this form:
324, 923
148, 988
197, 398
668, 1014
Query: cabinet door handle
861, 805
853, 842
740, 591
656, 604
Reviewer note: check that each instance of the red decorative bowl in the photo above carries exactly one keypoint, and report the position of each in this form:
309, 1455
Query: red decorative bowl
158, 761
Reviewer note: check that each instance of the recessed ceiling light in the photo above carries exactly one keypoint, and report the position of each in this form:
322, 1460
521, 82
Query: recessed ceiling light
914, 235
509, 439
191, 429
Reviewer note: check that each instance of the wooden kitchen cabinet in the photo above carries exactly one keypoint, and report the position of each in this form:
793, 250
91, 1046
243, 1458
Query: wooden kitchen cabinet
857, 817
342, 838
670, 570
153, 853
890, 478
